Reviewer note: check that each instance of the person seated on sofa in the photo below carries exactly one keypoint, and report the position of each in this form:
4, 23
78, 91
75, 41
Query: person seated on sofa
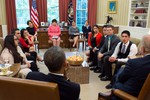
94, 41
54, 33
74, 34
97, 68
132, 77
10, 53
27, 45
123, 50
56, 62
107, 50
25, 55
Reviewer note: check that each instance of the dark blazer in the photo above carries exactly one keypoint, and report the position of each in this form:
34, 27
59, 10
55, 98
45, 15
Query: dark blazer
134, 75
113, 43
102, 42
85, 29
68, 90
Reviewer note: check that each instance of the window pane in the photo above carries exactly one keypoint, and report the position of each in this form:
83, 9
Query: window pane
22, 13
53, 10
81, 15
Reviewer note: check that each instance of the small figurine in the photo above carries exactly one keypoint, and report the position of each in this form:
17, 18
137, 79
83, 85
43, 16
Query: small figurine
109, 19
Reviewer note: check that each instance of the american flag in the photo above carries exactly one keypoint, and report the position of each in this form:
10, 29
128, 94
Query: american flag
70, 13
34, 14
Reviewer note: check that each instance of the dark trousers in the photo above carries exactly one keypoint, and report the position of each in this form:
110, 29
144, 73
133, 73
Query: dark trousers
32, 56
34, 66
108, 66
107, 69
117, 85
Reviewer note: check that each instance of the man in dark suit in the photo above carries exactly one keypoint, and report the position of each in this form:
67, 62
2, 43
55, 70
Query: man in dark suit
107, 50
55, 61
132, 78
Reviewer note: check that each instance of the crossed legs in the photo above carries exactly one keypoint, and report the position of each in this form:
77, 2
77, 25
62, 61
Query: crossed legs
76, 38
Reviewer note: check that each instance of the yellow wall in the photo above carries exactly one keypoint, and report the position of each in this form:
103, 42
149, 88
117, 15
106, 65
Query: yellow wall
2, 13
120, 18
149, 19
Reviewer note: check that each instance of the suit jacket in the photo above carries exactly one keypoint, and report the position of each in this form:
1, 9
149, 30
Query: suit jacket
102, 42
68, 90
113, 43
85, 29
134, 75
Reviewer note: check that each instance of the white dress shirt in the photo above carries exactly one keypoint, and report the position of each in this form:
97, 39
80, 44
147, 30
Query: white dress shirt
133, 51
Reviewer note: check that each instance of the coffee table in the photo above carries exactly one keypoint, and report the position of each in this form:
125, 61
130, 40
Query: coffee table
78, 74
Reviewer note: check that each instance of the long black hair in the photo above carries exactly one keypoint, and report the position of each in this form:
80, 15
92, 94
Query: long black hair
10, 45
22, 33
93, 30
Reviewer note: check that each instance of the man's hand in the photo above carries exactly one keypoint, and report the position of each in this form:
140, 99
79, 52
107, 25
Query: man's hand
100, 55
112, 59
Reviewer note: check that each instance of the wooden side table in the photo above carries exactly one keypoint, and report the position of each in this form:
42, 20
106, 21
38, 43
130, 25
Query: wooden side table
15, 68
78, 74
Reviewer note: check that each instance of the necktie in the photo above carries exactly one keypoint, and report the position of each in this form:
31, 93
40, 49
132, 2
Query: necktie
108, 43
123, 49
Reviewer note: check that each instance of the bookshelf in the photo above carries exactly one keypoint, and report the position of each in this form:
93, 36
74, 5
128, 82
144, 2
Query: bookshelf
139, 13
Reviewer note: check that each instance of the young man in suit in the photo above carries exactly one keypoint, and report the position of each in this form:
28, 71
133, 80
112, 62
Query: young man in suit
107, 50
123, 50
133, 76
56, 63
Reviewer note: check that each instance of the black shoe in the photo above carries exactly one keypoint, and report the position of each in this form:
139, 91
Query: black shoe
97, 70
93, 68
109, 86
105, 78
90, 65
101, 75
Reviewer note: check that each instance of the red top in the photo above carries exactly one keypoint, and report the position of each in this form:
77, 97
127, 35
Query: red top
24, 44
98, 39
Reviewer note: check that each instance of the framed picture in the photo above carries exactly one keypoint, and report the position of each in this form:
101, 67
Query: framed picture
112, 6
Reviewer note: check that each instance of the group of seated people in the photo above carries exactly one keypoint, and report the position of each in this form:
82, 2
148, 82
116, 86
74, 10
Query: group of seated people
109, 49
54, 32
19, 48
104, 50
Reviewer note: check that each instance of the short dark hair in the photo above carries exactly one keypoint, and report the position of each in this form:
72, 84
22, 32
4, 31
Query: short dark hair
104, 26
126, 32
14, 30
54, 58
110, 26
54, 20
28, 22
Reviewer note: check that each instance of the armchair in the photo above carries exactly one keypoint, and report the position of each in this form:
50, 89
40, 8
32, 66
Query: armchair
143, 95
23, 89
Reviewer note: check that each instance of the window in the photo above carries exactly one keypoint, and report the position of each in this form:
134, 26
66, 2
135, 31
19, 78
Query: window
22, 13
81, 13
53, 10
